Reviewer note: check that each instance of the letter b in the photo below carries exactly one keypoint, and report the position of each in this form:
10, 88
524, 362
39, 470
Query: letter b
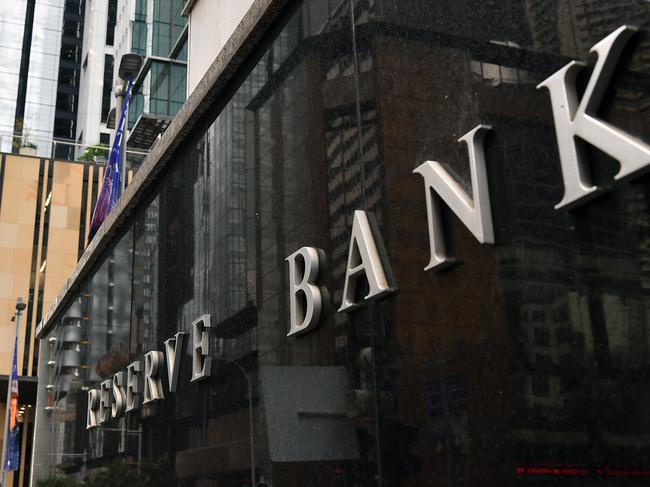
305, 298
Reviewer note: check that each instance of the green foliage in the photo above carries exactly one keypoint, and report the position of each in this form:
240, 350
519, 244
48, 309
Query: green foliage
119, 474
55, 481
22, 136
159, 474
152, 474
93, 151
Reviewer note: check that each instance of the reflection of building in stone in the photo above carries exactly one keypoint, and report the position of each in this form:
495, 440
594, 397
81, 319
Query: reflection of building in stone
573, 283
300, 129
145, 284
89, 344
571, 27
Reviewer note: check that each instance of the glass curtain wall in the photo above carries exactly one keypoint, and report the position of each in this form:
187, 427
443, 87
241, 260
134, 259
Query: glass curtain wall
12, 27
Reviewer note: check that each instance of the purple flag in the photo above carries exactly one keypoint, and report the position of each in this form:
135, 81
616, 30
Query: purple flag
112, 185
12, 453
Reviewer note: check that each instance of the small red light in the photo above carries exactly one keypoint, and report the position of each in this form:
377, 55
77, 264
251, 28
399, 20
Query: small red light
582, 471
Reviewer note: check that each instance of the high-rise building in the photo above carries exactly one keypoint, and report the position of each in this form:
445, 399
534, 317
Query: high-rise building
45, 210
158, 32
95, 92
40, 61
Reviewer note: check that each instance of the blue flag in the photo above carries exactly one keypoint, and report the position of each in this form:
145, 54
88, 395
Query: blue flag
112, 185
12, 455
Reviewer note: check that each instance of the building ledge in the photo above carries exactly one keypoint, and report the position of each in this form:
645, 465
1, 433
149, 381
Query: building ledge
188, 7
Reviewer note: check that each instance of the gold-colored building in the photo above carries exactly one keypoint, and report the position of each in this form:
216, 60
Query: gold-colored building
45, 210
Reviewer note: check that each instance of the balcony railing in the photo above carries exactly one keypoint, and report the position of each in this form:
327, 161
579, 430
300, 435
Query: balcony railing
63, 150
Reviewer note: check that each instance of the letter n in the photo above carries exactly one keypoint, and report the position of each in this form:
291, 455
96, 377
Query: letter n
475, 212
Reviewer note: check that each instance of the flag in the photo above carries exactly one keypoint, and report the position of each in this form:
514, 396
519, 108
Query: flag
12, 452
112, 185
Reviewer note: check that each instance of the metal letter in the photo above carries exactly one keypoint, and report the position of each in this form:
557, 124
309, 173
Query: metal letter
305, 297
133, 387
104, 402
201, 361
474, 212
575, 118
364, 258
119, 397
93, 404
153, 389
174, 346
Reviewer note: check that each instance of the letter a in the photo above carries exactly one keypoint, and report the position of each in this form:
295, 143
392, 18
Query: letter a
575, 118
364, 258
475, 212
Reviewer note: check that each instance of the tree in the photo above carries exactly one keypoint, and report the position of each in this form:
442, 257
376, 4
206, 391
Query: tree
93, 151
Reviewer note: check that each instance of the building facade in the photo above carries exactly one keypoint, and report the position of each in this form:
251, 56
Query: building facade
96, 83
157, 31
366, 252
44, 219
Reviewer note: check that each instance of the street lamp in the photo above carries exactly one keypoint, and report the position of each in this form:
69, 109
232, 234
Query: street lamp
130, 64
20, 307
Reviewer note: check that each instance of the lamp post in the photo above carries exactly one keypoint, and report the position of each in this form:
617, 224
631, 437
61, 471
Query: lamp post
20, 307
130, 64
250, 413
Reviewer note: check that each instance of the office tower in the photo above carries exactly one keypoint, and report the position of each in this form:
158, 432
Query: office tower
40, 56
157, 32
45, 208
95, 92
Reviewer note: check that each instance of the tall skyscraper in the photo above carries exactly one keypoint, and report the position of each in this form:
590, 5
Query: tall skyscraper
40, 60
158, 32
95, 92
45, 208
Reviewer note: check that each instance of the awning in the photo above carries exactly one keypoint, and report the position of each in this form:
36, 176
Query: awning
146, 129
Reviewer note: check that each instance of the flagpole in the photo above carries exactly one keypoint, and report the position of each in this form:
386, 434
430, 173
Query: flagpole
16, 319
